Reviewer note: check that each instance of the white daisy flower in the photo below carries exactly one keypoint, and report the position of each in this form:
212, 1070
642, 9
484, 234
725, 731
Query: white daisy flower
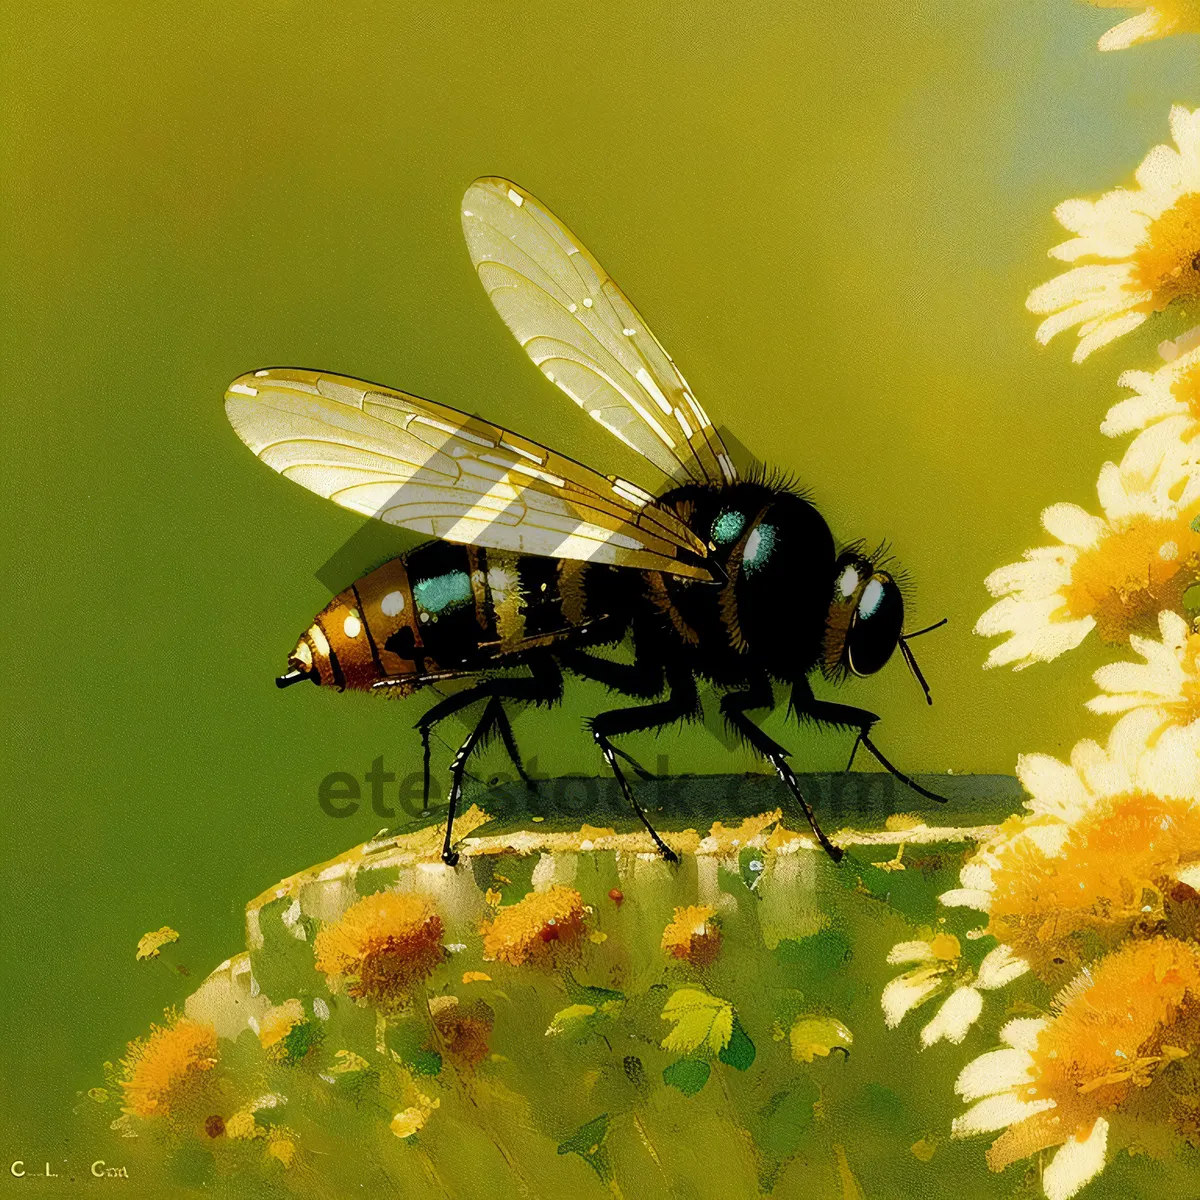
1160, 20
1167, 682
1171, 391
1061, 794
995, 1084
1113, 573
1150, 237
1109, 1044
938, 967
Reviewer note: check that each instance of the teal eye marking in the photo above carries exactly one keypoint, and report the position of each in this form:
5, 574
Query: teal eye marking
871, 599
728, 527
759, 546
440, 592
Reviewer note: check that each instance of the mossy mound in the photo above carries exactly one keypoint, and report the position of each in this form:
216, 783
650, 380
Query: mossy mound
564, 1013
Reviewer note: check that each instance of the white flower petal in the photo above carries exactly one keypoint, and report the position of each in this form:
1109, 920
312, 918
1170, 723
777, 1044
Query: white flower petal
1054, 787
1138, 411
1111, 330
967, 898
903, 952
1073, 525
1057, 639
1174, 630
1172, 766
1076, 1163
904, 993
996, 1112
1074, 286
1022, 1032
999, 968
1142, 27
994, 1072
1049, 839
1036, 577
956, 1016
976, 875
1119, 704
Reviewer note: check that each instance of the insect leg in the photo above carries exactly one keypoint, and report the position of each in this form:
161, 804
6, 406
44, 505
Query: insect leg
643, 680
680, 704
510, 745
458, 766
547, 690
438, 713
805, 704
734, 707
543, 686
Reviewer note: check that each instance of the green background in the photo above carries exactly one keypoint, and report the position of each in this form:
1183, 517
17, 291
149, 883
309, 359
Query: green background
831, 215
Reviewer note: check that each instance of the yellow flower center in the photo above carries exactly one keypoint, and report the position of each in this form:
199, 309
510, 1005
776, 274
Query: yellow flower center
1108, 1034
169, 1066
1186, 389
1112, 874
946, 947
1134, 573
1167, 263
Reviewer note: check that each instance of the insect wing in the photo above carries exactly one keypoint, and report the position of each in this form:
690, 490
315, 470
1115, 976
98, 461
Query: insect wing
585, 335
434, 470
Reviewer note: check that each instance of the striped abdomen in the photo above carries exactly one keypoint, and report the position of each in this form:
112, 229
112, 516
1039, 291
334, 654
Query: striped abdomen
441, 610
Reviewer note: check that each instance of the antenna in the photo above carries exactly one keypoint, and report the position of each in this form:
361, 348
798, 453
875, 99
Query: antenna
912, 666
927, 629
911, 659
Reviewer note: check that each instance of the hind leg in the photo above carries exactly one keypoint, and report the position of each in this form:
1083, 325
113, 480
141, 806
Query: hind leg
542, 686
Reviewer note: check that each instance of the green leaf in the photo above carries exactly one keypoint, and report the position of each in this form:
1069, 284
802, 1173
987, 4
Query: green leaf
700, 1020
740, 1051
689, 1075
588, 1142
813, 1036
571, 1019
302, 1037
597, 997
425, 1062
751, 864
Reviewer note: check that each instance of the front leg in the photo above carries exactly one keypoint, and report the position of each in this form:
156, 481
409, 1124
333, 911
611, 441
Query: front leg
805, 704
734, 707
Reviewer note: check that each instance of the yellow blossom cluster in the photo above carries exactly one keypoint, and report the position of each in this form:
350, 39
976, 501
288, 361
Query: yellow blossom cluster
382, 945
160, 1073
694, 935
543, 929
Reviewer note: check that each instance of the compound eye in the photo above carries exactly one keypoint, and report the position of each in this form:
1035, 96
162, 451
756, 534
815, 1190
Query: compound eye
875, 631
728, 526
847, 582
871, 599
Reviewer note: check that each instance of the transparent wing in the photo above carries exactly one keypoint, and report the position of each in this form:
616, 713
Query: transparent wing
434, 470
584, 334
